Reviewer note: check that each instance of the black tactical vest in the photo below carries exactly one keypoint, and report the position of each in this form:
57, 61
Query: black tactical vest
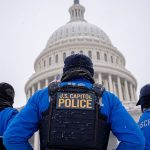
73, 120
1, 144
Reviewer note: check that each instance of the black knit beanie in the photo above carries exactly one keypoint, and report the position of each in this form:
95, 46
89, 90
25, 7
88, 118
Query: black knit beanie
144, 92
7, 92
78, 61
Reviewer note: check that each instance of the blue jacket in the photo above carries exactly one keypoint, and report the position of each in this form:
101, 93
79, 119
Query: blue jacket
6, 116
144, 124
26, 122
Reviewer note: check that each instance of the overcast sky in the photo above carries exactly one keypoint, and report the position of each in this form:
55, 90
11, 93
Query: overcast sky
26, 25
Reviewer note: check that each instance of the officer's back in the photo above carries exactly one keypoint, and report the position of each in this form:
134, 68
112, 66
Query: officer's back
144, 121
7, 112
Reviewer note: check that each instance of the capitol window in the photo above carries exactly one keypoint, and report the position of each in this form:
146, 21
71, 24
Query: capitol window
44, 63
56, 58
79, 11
50, 61
90, 54
76, 12
64, 56
105, 57
98, 56
112, 59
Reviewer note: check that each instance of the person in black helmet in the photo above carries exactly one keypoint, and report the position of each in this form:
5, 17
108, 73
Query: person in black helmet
144, 121
7, 112
74, 114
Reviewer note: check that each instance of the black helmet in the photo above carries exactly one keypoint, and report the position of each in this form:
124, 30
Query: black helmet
144, 98
7, 92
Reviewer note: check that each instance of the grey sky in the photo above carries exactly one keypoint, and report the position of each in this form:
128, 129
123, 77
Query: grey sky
26, 25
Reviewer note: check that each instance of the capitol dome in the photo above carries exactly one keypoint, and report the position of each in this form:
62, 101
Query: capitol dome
79, 36
76, 29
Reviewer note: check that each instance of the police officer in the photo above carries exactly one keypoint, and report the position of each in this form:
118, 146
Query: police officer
144, 121
74, 114
7, 112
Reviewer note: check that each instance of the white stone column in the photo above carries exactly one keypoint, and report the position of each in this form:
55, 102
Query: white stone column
109, 58
74, 13
119, 88
36, 140
36, 134
135, 95
131, 91
33, 89
114, 88
127, 97
39, 85
102, 57
100, 78
95, 55
110, 83
46, 82
78, 12
28, 94
61, 61
106, 84
47, 62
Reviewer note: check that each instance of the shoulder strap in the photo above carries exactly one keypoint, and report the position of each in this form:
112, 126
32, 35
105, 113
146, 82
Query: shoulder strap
98, 89
53, 87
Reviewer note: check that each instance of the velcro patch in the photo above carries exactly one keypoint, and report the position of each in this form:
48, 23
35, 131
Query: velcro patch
75, 101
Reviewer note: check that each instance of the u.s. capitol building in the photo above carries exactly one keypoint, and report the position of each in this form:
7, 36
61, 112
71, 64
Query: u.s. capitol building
79, 36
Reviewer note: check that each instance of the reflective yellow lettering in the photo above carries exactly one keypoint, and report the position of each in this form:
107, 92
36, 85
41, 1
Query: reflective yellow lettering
71, 95
78, 95
88, 104
60, 102
81, 103
67, 103
73, 104
78, 103
74, 95
65, 96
